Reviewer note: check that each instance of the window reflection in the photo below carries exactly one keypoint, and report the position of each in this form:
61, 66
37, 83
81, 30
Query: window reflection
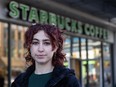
94, 73
94, 49
84, 73
66, 47
17, 50
75, 48
83, 49
21, 40
3, 52
107, 65
94, 64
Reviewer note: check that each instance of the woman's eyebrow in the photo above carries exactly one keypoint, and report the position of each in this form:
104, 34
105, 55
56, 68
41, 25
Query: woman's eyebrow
46, 40
42, 40
35, 39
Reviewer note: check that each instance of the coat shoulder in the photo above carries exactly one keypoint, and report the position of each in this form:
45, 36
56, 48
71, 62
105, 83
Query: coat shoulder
73, 81
70, 78
18, 80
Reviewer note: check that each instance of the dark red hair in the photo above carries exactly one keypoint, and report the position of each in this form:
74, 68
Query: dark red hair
55, 36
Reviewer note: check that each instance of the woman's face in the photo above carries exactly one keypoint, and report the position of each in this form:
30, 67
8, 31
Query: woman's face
41, 48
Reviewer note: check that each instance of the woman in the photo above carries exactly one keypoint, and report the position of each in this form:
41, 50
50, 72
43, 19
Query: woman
44, 44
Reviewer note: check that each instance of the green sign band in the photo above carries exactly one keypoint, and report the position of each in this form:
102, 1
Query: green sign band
31, 14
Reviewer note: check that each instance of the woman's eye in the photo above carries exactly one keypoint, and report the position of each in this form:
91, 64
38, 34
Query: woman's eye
47, 43
35, 43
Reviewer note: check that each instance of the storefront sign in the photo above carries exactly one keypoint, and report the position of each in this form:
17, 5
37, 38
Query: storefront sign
32, 14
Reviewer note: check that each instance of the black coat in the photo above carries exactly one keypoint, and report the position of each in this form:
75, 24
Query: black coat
61, 77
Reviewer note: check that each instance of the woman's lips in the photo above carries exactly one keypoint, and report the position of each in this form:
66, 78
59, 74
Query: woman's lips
40, 56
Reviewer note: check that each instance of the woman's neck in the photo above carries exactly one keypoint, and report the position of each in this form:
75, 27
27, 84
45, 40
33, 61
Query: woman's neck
42, 69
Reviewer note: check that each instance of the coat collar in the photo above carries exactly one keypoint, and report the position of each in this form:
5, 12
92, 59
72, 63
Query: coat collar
59, 72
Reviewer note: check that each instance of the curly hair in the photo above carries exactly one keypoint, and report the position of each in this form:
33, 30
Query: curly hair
55, 36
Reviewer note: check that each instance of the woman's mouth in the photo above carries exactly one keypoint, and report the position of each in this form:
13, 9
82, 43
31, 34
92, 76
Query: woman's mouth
40, 56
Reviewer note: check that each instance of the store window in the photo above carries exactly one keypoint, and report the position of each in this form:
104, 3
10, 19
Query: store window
66, 50
94, 49
94, 73
3, 52
21, 40
107, 65
94, 64
84, 73
83, 49
17, 50
13, 36
75, 48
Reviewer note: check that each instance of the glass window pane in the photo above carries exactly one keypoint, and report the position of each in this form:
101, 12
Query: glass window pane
94, 73
94, 64
107, 65
84, 73
3, 52
21, 40
17, 50
83, 49
66, 49
14, 39
94, 49
75, 48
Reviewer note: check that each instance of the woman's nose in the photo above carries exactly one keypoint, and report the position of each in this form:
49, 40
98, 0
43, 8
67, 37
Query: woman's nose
40, 48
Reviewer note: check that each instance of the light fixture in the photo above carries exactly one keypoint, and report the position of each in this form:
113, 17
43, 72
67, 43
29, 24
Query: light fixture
113, 20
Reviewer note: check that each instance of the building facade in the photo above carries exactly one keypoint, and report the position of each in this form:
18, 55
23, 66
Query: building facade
89, 45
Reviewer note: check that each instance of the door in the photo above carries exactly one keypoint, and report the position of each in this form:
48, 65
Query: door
76, 65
